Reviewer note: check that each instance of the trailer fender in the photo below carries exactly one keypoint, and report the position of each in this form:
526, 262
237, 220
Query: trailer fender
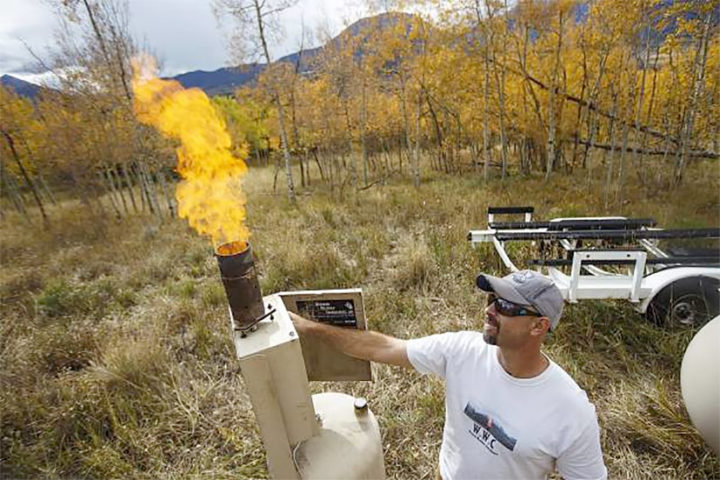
659, 280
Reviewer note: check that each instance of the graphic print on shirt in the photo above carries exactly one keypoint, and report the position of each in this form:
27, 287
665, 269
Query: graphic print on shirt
487, 431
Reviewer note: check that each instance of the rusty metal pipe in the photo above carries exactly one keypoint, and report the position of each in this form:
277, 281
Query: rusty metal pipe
239, 277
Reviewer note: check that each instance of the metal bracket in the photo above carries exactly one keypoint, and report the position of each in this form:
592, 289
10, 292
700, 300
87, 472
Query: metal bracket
252, 326
637, 276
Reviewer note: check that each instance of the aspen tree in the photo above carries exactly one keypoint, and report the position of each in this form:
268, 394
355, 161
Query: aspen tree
255, 22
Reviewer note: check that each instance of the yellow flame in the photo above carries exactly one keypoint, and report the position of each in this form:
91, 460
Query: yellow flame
210, 195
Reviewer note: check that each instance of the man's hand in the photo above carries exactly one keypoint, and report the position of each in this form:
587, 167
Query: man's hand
362, 344
302, 324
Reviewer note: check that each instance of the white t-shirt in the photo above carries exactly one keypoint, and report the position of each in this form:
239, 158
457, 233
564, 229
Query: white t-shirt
498, 426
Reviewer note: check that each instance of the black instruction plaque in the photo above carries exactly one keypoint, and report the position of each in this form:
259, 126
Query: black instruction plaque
340, 313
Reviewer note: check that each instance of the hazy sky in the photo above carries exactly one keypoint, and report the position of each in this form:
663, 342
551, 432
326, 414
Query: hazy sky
184, 33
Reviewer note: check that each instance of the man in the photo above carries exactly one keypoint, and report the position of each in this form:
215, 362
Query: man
510, 411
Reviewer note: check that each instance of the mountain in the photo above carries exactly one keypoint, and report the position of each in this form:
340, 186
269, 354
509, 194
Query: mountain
21, 87
221, 81
224, 81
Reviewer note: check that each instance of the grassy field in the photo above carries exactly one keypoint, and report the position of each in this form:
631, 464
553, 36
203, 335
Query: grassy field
116, 358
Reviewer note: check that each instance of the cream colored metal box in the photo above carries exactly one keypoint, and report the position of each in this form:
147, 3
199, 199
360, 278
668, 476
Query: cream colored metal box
324, 436
278, 387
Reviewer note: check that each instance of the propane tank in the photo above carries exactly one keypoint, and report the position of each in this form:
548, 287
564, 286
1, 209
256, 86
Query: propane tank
348, 445
700, 382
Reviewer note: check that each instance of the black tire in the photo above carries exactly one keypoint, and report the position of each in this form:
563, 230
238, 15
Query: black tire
686, 303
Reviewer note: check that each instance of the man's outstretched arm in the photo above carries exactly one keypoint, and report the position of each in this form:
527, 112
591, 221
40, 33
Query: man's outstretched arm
364, 344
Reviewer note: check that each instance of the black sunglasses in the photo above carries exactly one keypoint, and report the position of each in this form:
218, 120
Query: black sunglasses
510, 309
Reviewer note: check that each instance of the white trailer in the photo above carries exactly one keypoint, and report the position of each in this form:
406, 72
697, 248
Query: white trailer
624, 262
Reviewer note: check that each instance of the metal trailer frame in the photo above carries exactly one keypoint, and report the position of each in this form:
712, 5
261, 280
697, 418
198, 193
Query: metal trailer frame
646, 277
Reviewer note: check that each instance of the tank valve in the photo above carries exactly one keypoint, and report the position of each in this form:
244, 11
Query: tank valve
360, 405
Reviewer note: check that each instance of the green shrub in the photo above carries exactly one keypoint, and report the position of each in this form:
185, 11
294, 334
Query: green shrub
60, 298
184, 288
64, 299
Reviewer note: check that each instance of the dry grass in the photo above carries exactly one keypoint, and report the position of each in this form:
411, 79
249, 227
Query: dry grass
116, 361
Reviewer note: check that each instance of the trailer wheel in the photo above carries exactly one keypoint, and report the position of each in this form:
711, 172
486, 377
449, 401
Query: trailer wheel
686, 303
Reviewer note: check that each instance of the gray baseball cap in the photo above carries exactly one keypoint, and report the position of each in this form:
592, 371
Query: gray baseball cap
527, 287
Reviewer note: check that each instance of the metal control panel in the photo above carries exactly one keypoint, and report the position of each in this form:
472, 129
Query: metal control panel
341, 308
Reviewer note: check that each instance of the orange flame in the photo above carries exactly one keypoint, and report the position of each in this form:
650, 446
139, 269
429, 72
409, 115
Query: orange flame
210, 195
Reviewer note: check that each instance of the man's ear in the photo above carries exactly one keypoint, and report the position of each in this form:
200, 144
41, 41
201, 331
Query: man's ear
540, 326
